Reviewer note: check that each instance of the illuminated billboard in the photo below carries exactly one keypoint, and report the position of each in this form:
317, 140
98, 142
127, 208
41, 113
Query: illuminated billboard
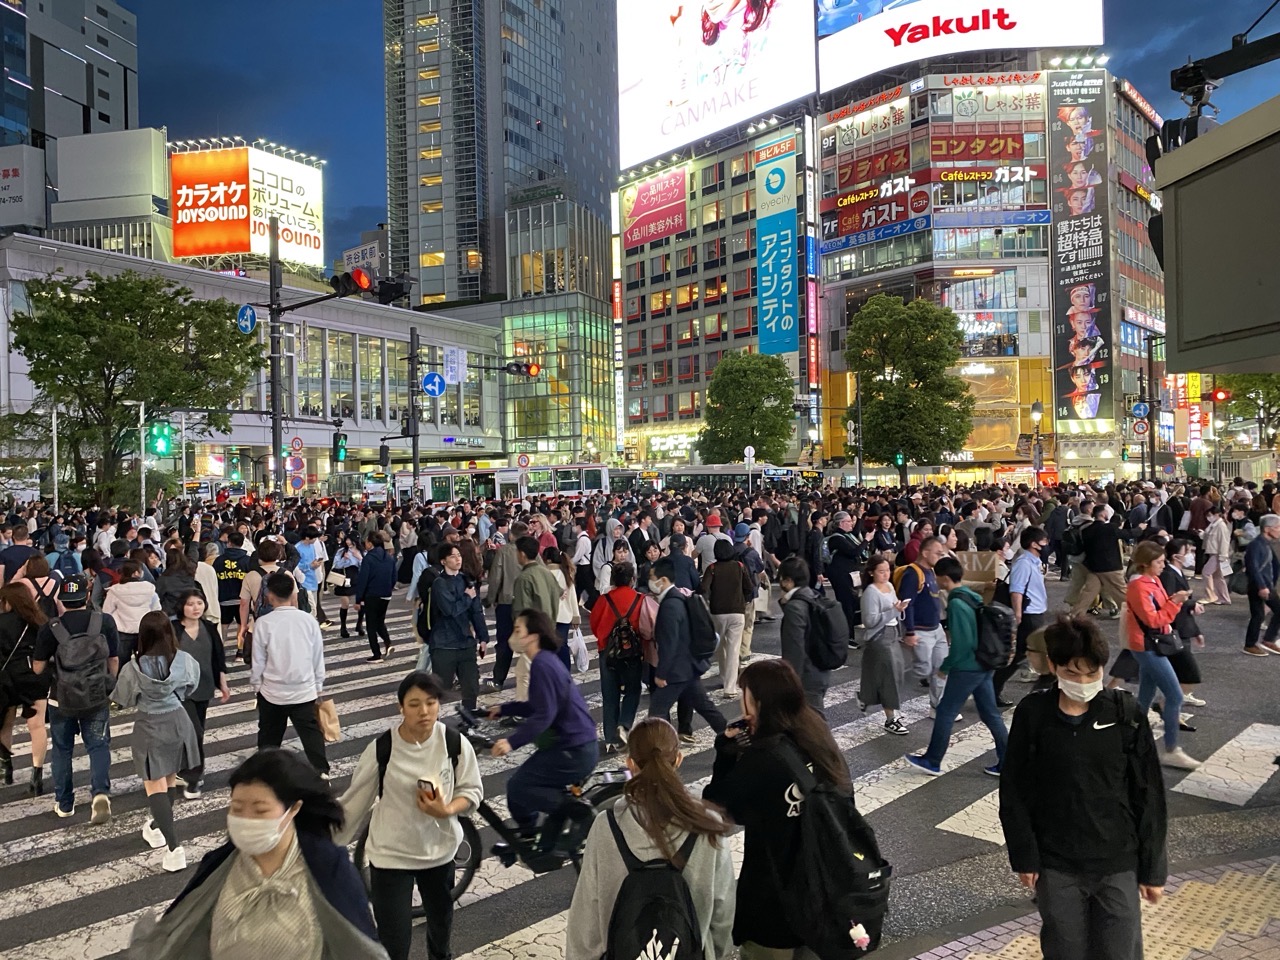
222, 200
857, 38
686, 71
655, 208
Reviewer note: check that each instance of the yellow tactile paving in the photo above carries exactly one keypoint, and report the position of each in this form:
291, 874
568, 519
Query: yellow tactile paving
1194, 917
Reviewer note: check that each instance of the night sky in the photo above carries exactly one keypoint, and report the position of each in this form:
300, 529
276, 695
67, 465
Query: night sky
308, 74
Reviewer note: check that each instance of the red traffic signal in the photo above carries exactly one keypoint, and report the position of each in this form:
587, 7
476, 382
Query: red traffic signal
357, 281
1219, 395
519, 369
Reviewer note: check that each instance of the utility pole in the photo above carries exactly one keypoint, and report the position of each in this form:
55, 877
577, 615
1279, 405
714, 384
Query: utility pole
415, 387
276, 281
859, 404
1153, 418
142, 455
1142, 445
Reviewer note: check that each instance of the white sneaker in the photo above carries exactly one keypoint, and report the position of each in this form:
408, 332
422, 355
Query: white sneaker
64, 814
1178, 759
101, 810
933, 715
1195, 701
174, 860
152, 835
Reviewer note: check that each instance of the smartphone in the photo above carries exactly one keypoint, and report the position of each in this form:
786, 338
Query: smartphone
427, 787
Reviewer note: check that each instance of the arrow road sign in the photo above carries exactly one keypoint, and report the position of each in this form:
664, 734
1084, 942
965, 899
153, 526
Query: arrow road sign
1140, 427
1141, 410
433, 385
246, 319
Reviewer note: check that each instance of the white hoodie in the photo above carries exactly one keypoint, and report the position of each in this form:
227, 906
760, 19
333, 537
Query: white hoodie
128, 602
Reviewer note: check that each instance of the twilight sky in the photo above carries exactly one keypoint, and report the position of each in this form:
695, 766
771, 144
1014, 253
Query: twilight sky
308, 74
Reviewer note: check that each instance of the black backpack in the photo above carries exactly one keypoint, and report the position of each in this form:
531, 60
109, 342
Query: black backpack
405, 576
1073, 541
996, 629
82, 684
702, 629
623, 645
838, 877
827, 645
382, 751
653, 912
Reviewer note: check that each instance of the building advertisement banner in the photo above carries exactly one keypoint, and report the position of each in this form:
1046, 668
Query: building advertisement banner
881, 211
975, 146
22, 186
777, 273
1083, 326
858, 39
874, 166
655, 208
982, 102
686, 71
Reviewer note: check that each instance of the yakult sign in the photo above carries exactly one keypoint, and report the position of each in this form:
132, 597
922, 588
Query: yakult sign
854, 43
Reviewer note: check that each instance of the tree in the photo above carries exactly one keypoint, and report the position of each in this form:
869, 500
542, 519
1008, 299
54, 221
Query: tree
1255, 397
97, 345
748, 404
900, 353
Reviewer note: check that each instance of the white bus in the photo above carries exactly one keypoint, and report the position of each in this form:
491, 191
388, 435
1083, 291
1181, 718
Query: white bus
444, 486
711, 476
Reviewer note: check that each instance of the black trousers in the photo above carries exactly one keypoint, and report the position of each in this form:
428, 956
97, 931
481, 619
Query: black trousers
391, 894
1031, 622
689, 697
1257, 613
1089, 917
197, 710
272, 718
842, 586
375, 618
446, 664
504, 623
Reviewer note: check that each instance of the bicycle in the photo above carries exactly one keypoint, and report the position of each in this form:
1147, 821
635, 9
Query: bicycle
571, 822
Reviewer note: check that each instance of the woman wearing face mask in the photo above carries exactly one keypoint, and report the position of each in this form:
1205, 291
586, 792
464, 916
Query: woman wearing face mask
280, 887
1180, 561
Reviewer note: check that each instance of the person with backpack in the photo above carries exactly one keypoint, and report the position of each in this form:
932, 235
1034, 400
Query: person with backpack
178, 577
616, 624
750, 558
728, 589
966, 675
657, 870
20, 687
779, 775
83, 650
1082, 803
37, 578
411, 785
63, 560
810, 624
375, 583
686, 640
503, 571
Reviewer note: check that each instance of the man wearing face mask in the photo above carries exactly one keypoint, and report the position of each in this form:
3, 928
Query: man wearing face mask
678, 677
1029, 599
1082, 804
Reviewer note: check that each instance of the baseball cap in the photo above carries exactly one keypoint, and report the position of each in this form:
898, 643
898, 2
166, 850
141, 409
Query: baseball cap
713, 520
73, 592
741, 532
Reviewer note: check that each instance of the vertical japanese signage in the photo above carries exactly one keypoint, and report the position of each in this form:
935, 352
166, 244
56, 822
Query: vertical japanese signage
777, 276
1083, 327
655, 208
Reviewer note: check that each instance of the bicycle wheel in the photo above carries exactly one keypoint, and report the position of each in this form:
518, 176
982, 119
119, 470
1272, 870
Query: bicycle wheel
466, 861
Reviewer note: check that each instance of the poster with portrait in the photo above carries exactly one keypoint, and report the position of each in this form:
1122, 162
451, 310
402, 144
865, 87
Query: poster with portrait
1083, 328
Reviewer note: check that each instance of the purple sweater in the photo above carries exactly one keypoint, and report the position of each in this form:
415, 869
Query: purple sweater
554, 704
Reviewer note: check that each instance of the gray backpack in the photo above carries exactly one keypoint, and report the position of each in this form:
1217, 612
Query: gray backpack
82, 682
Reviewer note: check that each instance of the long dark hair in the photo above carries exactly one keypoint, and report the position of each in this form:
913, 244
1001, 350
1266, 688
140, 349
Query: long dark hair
658, 797
291, 778
180, 602
156, 637
175, 561
781, 709
18, 599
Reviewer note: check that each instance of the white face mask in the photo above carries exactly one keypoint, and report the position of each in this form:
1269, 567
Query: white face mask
1080, 692
1189, 561
256, 837
1007, 552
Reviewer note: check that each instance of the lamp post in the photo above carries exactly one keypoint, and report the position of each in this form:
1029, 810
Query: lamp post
1037, 455
142, 451
1218, 427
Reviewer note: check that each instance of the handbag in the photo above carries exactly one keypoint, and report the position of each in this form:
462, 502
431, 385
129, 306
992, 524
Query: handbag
1154, 640
330, 725
1238, 582
578, 650
337, 578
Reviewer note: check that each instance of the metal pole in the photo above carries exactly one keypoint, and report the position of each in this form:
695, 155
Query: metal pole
276, 336
55, 460
859, 404
142, 456
182, 438
414, 388
1153, 416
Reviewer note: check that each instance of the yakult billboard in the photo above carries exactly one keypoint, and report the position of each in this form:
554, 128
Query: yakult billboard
857, 38
688, 70
222, 201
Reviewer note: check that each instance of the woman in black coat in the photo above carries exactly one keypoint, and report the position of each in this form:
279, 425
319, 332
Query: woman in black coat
813, 546
1180, 556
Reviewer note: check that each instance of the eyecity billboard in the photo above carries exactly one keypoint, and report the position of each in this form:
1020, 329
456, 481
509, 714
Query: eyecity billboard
857, 38
223, 199
686, 71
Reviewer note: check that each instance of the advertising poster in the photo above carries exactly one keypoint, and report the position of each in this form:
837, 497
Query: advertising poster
1083, 329
655, 208
857, 38
777, 270
687, 70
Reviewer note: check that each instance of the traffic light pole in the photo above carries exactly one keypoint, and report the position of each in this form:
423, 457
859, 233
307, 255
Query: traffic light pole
275, 331
142, 457
414, 387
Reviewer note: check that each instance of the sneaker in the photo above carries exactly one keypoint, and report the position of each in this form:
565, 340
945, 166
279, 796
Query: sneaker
992, 771
373, 660
896, 727
325, 777
686, 738
174, 860
101, 810
390, 651
608, 749
1193, 700
64, 814
1028, 676
1270, 645
193, 791
923, 765
622, 735
1256, 651
1178, 759
1003, 704
933, 715
730, 694
326, 623
152, 836
489, 686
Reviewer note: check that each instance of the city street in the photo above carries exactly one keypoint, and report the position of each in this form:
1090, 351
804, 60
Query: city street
71, 891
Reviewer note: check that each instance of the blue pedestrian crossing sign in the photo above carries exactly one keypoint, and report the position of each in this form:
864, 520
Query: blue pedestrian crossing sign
246, 319
1140, 410
433, 385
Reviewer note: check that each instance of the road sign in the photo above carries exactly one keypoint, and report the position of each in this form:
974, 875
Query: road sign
297, 481
522, 461
1169, 469
433, 385
247, 319
749, 453
471, 464
1141, 410
294, 464
1140, 427
455, 362
295, 444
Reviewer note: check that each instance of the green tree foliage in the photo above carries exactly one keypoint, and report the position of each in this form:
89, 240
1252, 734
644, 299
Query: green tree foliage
1254, 396
901, 353
97, 344
748, 404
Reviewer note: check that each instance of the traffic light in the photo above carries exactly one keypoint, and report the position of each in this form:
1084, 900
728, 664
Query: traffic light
389, 291
160, 439
339, 453
899, 460
1219, 395
518, 368
384, 456
1124, 453
357, 281
233, 465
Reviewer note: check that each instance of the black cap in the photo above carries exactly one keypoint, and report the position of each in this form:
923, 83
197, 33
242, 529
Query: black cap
73, 592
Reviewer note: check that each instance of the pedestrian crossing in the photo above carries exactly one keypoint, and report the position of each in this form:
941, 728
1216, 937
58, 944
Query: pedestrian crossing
72, 890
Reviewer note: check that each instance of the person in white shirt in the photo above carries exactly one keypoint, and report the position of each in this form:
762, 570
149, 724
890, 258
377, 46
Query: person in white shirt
288, 671
414, 834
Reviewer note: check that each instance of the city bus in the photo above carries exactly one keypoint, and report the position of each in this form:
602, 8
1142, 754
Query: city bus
441, 487
711, 476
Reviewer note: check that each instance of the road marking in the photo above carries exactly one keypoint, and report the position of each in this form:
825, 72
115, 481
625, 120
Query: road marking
1238, 769
980, 820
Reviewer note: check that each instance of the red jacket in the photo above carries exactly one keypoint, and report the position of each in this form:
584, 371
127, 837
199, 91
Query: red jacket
603, 618
1147, 595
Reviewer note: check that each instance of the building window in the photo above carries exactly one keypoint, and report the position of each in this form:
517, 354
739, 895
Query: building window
432, 206
744, 321
712, 360
429, 73
432, 258
713, 252
429, 20
712, 213
371, 405
712, 176
743, 202
740, 165
428, 298
717, 288
688, 368
687, 296
659, 303
431, 180
428, 46
634, 272
687, 331
662, 407
636, 342
744, 283
637, 409
430, 153
713, 326
687, 257
635, 377
661, 371
659, 266
661, 337
311, 374
342, 375
688, 404
472, 405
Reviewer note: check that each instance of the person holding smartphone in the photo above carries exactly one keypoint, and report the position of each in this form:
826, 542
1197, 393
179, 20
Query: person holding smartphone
412, 807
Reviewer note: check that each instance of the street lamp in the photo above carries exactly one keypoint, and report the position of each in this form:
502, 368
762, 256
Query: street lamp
54, 417
142, 451
1037, 455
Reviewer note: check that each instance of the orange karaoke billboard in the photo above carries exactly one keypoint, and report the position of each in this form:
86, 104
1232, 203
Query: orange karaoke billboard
209, 190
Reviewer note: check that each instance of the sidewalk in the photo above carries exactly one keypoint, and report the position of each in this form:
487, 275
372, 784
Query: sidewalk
1229, 912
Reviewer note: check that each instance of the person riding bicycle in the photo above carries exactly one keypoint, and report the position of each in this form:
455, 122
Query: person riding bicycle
555, 720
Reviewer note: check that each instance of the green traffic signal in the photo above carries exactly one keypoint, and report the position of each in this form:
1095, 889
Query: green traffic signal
160, 439
899, 459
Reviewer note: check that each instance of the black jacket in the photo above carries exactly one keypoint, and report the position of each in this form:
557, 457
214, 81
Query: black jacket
1185, 624
847, 554
1084, 798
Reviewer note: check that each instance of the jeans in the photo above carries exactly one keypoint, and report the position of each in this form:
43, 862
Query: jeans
375, 616
1258, 611
504, 624
391, 895
620, 693
691, 697
538, 786
930, 650
1089, 917
272, 718
95, 732
960, 685
1155, 671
